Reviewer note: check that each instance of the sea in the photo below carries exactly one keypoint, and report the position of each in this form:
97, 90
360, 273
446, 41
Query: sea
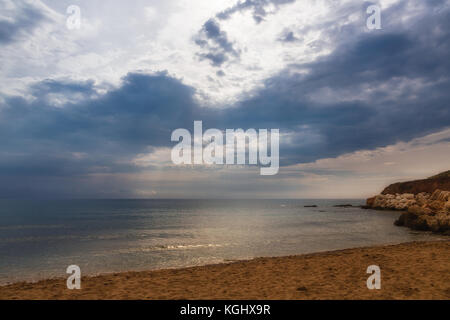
41, 238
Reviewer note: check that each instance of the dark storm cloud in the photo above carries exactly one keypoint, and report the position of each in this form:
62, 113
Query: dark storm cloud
396, 85
215, 43
97, 134
25, 19
374, 89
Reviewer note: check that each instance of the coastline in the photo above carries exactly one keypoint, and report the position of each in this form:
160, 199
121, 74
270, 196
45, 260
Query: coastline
426, 203
337, 274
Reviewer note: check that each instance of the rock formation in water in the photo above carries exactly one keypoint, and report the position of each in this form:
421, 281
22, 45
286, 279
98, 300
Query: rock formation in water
427, 204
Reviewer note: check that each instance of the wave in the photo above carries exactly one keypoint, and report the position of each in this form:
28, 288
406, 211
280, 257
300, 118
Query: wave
161, 248
192, 246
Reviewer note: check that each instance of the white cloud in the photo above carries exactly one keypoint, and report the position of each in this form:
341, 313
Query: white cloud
157, 157
117, 37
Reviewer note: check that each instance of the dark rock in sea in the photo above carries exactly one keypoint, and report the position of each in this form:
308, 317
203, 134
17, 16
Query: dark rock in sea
312, 206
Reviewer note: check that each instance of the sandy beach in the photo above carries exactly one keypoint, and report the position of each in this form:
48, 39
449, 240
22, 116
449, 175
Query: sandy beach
416, 270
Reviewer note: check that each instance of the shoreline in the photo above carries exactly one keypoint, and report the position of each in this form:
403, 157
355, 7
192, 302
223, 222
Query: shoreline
219, 263
339, 274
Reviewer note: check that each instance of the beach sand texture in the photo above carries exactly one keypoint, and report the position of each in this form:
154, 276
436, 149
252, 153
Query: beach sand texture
417, 270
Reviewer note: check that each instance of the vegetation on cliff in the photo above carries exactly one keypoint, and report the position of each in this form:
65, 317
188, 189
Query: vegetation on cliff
440, 181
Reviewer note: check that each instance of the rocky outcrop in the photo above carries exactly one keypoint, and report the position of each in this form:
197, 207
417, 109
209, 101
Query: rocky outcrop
433, 214
393, 201
424, 211
437, 182
426, 203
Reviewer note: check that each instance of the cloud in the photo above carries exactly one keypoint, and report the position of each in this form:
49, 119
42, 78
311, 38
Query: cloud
395, 156
372, 90
18, 20
216, 44
41, 138
288, 36
364, 172
214, 41
259, 8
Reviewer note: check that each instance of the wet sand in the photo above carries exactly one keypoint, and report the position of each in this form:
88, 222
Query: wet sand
416, 270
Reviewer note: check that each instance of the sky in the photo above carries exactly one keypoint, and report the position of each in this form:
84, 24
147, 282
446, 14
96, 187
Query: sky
88, 112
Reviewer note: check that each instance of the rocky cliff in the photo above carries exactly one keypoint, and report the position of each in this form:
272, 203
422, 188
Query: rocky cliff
440, 181
427, 206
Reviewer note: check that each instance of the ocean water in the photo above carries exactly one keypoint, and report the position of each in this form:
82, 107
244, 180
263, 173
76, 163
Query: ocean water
39, 239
